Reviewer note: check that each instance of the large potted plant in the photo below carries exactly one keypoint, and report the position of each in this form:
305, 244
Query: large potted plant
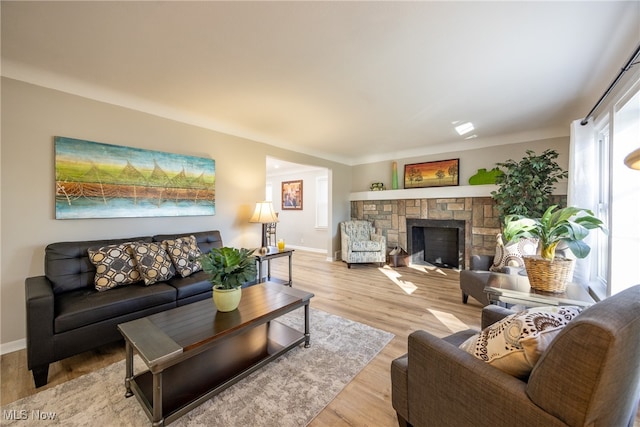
526, 187
570, 225
228, 269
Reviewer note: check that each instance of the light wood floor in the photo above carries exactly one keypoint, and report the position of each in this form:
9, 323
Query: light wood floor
399, 301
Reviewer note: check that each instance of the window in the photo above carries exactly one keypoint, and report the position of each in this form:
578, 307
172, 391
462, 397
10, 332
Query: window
624, 238
322, 202
601, 250
615, 189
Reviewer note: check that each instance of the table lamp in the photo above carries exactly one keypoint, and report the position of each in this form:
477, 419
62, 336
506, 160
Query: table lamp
264, 214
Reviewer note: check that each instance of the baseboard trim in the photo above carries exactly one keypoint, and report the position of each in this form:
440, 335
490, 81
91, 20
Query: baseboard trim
304, 248
12, 346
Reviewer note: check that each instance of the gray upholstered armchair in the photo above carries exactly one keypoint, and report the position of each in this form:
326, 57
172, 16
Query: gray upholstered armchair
588, 376
360, 243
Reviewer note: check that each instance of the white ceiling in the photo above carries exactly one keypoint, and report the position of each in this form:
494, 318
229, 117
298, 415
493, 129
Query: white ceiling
348, 81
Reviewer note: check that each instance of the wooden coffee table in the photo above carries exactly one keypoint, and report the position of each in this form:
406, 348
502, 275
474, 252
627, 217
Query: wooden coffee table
194, 352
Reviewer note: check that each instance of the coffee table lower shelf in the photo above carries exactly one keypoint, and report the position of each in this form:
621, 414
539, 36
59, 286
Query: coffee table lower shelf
186, 385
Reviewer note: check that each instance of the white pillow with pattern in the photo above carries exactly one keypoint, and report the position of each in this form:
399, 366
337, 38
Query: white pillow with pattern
515, 343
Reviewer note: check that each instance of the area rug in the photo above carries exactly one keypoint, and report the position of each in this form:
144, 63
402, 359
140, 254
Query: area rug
290, 391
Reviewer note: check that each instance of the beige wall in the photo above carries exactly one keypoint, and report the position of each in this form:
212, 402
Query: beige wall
32, 116
298, 227
470, 161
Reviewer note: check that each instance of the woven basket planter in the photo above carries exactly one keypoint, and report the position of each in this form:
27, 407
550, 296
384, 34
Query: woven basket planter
548, 276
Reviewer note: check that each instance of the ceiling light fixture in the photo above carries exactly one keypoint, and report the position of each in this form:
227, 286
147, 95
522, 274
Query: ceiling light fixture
633, 159
464, 128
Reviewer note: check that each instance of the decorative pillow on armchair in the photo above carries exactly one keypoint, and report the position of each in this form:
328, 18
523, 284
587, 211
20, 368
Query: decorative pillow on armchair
515, 343
511, 255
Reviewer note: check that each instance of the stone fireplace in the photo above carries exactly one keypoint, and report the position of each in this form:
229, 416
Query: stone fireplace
436, 242
476, 215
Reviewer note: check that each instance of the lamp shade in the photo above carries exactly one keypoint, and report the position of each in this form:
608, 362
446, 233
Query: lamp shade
633, 159
264, 213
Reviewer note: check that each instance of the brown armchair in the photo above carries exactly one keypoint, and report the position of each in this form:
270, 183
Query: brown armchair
588, 376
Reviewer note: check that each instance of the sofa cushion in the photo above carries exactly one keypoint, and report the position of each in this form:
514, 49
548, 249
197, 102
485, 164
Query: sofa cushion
515, 343
194, 284
184, 252
115, 266
67, 265
153, 262
365, 246
510, 255
87, 306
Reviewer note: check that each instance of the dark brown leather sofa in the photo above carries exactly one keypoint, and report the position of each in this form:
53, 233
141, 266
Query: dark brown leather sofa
66, 315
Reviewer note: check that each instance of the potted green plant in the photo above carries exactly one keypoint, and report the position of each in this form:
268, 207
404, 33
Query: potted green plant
526, 187
570, 225
228, 269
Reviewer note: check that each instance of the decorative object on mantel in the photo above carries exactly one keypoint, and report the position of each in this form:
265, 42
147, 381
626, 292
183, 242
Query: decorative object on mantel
292, 195
228, 269
96, 180
394, 175
485, 177
525, 187
441, 173
377, 186
265, 215
569, 225
633, 159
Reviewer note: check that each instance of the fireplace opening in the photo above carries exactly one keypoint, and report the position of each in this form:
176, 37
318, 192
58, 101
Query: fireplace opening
436, 242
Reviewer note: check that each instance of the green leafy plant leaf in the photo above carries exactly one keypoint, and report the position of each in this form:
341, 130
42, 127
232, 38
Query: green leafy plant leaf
229, 268
570, 225
525, 187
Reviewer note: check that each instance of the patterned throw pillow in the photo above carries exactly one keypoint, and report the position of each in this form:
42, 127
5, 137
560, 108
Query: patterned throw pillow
153, 262
183, 253
511, 255
515, 343
115, 266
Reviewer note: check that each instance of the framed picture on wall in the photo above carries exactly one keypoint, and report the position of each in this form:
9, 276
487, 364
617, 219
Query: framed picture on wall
292, 195
441, 173
97, 180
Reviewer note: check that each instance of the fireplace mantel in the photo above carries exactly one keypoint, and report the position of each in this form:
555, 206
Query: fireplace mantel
427, 193
438, 192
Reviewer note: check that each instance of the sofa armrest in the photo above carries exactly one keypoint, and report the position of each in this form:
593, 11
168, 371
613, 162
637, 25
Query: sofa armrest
345, 247
383, 242
40, 313
481, 262
493, 313
447, 386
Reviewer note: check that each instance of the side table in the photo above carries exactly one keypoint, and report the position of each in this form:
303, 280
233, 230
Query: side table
515, 289
272, 253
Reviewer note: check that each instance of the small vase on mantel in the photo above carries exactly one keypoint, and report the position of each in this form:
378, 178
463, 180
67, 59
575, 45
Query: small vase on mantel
394, 176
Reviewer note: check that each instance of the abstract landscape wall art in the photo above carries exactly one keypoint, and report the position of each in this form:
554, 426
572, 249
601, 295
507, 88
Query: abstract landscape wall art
95, 180
440, 173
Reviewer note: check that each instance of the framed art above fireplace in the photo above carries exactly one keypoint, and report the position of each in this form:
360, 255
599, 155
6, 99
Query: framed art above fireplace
441, 173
